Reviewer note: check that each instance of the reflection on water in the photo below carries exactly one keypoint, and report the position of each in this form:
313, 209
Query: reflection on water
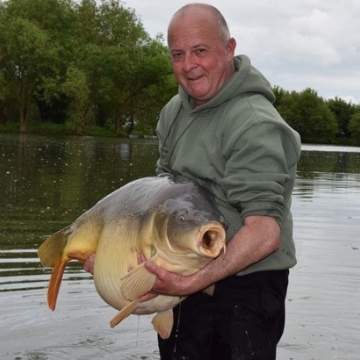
47, 182
323, 320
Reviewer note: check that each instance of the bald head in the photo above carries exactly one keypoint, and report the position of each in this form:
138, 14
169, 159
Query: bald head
201, 50
201, 12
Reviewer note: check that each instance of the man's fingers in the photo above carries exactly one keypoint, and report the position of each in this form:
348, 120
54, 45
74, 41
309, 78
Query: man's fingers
152, 267
89, 264
141, 258
147, 297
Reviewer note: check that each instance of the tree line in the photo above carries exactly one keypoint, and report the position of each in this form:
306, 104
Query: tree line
319, 121
80, 64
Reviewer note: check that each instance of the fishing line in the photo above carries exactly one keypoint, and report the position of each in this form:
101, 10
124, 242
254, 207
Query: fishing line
137, 331
176, 337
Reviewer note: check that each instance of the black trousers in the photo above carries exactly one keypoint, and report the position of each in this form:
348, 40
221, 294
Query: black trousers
244, 319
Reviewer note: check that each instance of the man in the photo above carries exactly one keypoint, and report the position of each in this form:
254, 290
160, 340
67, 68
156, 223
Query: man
222, 131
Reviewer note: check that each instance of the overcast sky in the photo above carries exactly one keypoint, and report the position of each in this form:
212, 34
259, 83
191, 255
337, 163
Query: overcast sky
296, 44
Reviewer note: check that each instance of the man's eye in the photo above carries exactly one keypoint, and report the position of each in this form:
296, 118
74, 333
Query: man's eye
177, 55
200, 51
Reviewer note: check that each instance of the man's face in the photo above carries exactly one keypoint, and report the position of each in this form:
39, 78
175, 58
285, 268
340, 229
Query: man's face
202, 62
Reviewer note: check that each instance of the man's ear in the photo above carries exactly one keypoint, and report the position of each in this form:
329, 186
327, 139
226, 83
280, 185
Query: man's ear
231, 45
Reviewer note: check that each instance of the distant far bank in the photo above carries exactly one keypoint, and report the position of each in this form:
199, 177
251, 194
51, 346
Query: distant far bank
48, 129
62, 130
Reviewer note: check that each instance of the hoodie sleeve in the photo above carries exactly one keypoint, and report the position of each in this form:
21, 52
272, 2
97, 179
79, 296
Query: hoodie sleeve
258, 169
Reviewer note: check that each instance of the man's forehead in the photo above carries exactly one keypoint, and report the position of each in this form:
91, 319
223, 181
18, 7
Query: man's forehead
193, 35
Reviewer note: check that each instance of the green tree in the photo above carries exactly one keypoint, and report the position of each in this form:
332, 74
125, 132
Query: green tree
81, 62
77, 89
29, 52
279, 93
343, 111
153, 85
23, 54
354, 126
121, 62
308, 113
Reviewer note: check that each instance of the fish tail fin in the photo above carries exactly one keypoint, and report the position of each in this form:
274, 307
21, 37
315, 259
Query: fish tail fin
123, 314
51, 253
163, 323
52, 248
55, 282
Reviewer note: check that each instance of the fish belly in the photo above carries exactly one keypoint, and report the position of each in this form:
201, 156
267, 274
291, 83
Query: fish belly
119, 245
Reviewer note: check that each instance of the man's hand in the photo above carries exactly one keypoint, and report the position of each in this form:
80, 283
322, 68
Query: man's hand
89, 264
170, 283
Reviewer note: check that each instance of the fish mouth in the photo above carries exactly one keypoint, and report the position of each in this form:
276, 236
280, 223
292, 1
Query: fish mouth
212, 239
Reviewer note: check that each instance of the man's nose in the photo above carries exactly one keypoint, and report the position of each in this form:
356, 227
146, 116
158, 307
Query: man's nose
189, 61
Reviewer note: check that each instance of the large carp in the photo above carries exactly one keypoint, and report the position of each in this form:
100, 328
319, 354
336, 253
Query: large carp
168, 219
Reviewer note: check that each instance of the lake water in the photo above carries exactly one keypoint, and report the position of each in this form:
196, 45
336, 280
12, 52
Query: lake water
45, 183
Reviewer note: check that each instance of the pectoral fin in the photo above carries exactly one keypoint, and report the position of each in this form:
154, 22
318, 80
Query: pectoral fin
137, 282
124, 313
163, 323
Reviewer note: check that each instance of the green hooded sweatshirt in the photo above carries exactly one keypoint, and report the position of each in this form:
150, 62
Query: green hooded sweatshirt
239, 148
